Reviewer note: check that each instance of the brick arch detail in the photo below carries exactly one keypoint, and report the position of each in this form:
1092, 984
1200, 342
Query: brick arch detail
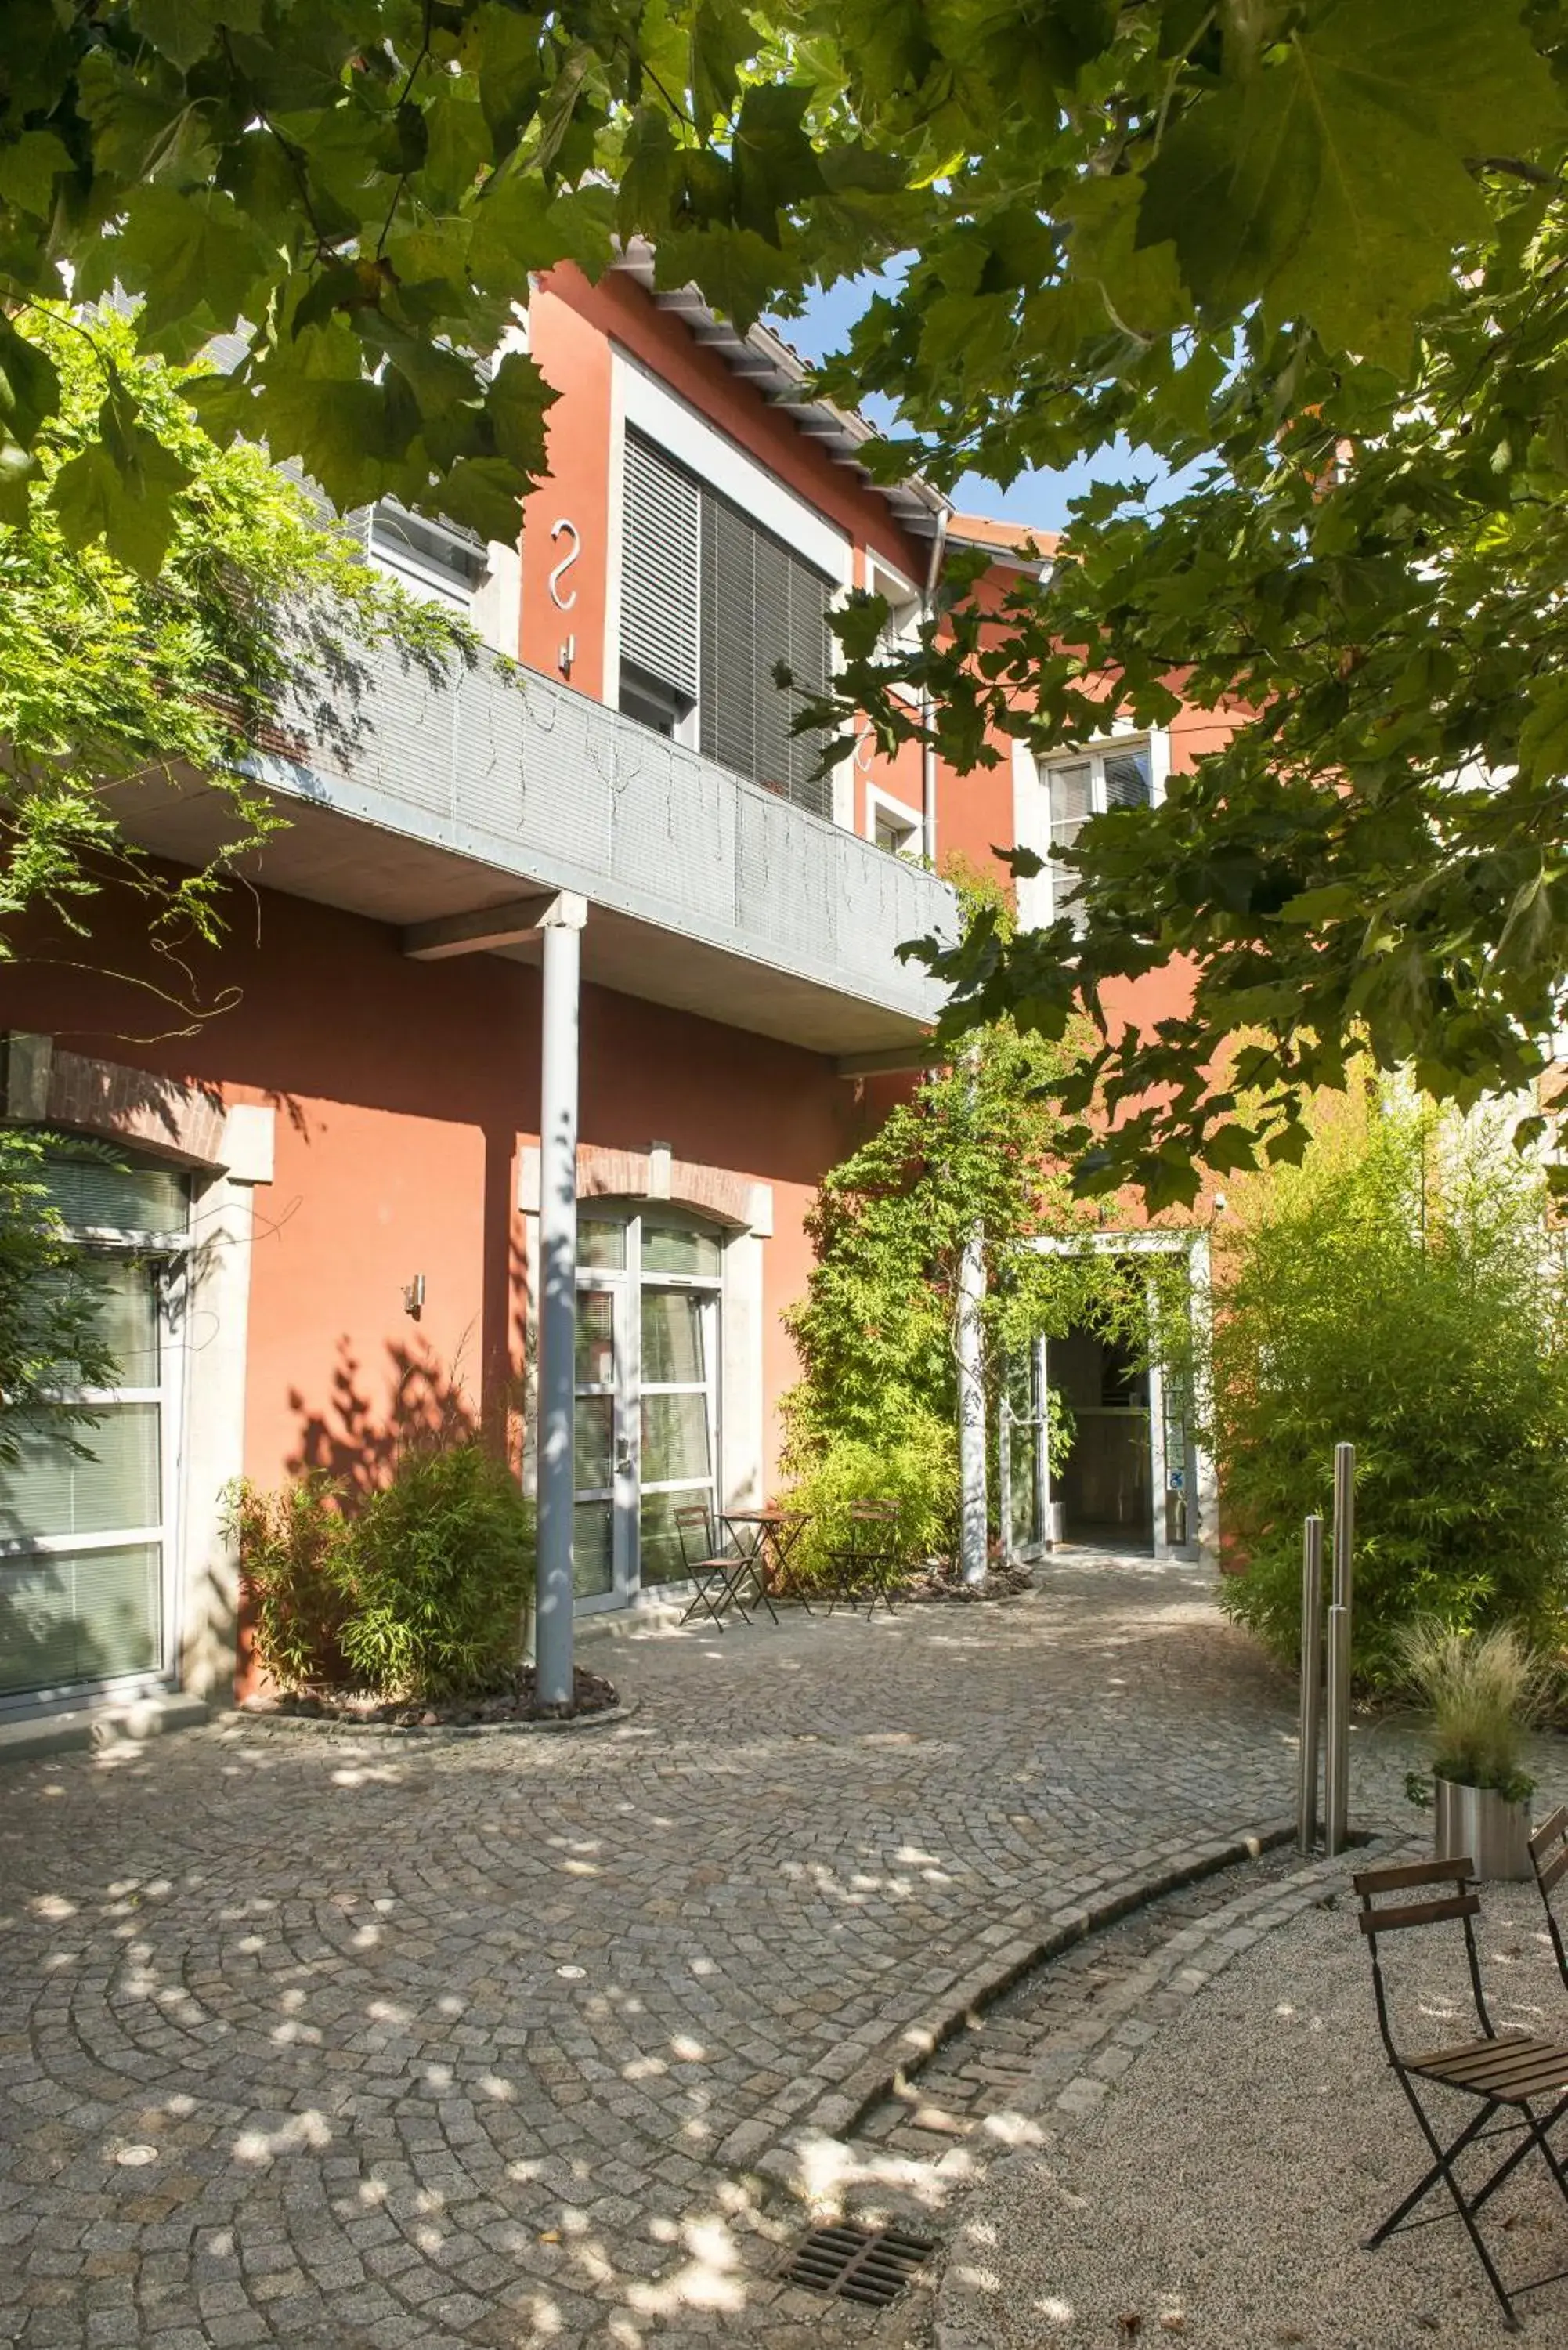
719, 1194
187, 1125
172, 1121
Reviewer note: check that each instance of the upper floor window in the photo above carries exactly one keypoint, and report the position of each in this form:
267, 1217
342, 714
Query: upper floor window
1116, 774
437, 560
710, 602
893, 825
905, 607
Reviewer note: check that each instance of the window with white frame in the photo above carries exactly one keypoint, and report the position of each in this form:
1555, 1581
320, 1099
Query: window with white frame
648, 1360
435, 560
86, 1528
1114, 774
711, 603
894, 826
905, 606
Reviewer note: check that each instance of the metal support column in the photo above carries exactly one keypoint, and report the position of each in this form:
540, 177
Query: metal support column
562, 926
1312, 1681
971, 1407
1336, 1774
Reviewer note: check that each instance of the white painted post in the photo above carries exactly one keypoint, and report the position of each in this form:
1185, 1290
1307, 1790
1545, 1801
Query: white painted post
971, 1407
1312, 1683
1336, 1773
1157, 1464
1042, 1394
562, 926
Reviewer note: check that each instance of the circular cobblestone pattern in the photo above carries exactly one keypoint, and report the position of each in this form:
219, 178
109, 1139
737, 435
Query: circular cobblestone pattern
507, 2042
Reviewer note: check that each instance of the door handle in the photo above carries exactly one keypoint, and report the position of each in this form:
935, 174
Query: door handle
624, 1463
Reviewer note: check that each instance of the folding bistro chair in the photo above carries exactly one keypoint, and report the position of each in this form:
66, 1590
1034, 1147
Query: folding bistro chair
750, 1538
1516, 2073
717, 1574
867, 1563
1549, 1858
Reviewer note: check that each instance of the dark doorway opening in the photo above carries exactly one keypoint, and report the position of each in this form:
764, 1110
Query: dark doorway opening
1107, 1488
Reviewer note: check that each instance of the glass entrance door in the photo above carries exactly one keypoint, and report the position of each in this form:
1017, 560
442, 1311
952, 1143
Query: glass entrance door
647, 1395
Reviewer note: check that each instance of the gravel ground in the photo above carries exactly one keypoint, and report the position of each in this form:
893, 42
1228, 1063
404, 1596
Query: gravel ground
1221, 2194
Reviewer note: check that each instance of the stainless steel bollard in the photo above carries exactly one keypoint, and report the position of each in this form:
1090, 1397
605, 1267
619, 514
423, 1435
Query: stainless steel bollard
1312, 1681
1336, 1787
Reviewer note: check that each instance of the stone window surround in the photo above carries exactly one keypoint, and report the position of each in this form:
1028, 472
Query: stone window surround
228, 1150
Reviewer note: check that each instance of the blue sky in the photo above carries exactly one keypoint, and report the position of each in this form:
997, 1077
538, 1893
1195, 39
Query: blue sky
1038, 500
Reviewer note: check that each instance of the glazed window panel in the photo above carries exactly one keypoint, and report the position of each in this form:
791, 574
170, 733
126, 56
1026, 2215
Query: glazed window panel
675, 1441
50, 1491
601, 1243
594, 1444
595, 1338
673, 1352
79, 1616
593, 1549
678, 1248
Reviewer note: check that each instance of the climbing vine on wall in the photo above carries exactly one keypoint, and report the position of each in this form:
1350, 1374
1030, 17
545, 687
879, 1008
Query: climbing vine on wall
975, 1142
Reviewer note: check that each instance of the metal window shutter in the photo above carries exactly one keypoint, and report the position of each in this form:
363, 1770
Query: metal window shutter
810, 658
760, 605
728, 730
661, 543
775, 708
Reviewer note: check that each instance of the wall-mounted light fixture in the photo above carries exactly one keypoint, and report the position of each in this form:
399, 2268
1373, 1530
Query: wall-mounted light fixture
414, 1296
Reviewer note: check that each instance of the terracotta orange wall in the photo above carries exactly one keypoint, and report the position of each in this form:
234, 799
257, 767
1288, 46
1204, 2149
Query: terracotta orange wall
576, 360
403, 1091
974, 814
572, 326
618, 307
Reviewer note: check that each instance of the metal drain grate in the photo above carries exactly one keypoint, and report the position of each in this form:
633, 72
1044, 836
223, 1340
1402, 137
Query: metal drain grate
865, 2264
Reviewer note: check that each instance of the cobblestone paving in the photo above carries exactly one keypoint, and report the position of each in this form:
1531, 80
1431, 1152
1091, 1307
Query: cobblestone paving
361, 2043
1039, 2036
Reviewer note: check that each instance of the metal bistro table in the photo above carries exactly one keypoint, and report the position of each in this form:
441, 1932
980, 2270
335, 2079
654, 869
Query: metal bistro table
764, 1539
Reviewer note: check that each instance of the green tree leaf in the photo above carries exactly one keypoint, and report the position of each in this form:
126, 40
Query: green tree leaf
194, 258
121, 490
1333, 178
186, 30
30, 166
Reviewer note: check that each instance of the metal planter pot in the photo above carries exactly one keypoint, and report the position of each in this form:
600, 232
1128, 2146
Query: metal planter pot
1477, 1822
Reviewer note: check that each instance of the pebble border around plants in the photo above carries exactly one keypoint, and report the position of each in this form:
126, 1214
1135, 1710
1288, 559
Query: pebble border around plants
327, 1725
870, 2072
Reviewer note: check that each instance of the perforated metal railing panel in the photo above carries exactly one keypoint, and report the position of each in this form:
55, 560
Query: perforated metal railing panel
538, 781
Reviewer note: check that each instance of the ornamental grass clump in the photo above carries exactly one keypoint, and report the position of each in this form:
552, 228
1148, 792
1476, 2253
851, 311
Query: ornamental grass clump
420, 1594
1483, 1690
441, 1568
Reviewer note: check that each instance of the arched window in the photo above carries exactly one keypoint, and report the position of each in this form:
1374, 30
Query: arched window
648, 1378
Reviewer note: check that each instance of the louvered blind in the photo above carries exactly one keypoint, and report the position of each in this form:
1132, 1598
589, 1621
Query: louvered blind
83, 1616
661, 538
760, 605
92, 1196
710, 602
1126, 778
